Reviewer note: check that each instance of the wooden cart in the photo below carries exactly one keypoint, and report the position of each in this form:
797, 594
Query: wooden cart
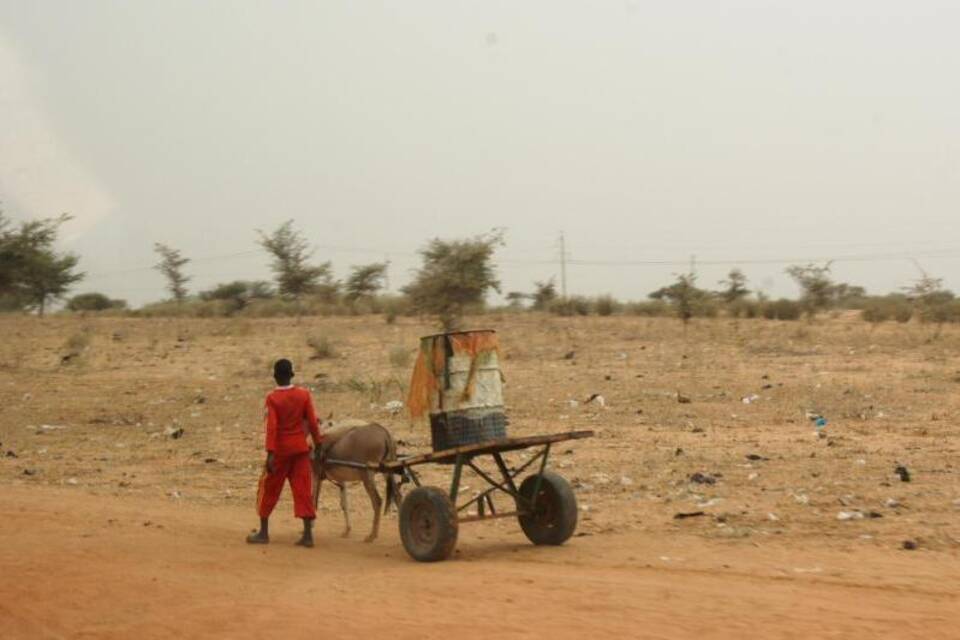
430, 517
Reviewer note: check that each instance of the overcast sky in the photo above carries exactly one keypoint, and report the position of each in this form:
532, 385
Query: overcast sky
744, 132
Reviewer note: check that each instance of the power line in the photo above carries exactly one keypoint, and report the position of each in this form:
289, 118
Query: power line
877, 257
565, 260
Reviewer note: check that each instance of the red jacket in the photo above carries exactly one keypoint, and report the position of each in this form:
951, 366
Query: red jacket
290, 414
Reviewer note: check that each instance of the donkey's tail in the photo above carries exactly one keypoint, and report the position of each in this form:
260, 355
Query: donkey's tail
393, 494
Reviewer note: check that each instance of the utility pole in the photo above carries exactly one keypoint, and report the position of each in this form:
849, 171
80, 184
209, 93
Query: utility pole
563, 266
693, 264
386, 273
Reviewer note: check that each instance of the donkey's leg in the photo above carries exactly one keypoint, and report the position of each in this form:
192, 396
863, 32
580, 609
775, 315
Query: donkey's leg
317, 479
375, 502
345, 505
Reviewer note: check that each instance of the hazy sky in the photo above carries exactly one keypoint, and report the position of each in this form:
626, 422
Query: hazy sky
646, 131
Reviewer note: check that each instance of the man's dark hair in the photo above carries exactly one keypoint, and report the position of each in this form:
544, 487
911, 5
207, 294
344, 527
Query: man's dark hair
283, 370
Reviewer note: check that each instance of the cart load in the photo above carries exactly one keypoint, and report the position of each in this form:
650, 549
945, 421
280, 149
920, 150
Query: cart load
457, 380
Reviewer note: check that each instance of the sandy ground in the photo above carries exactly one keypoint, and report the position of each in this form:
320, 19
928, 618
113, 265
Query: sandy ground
81, 567
113, 528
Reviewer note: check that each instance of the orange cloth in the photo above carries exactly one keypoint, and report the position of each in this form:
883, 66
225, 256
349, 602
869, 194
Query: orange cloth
290, 414
297, 469
431, 361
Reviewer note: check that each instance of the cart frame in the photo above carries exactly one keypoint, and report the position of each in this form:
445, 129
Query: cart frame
430, 518
463, 456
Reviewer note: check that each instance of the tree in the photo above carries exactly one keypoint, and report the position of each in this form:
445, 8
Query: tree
8, 261
48, 278
515, 299
32, 273
848, 296
735, 287
816, 287
171, 266
544, 293
295, 277
683, 295
94, 302
238, 294
456, 275
366, 280
930, 300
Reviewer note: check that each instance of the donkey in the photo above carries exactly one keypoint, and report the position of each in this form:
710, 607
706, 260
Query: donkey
359, 443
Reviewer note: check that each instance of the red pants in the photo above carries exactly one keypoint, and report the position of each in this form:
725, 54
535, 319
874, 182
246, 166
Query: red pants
298, 470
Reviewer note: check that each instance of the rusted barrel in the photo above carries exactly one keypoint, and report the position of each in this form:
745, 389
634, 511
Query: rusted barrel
457, 379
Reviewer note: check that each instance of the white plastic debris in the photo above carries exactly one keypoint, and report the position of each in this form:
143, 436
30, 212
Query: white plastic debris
600, 400
849, 515
749, 399
810, 570
601, 478
394, 406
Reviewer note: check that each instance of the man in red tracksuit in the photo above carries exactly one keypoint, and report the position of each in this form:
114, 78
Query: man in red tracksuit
290, 414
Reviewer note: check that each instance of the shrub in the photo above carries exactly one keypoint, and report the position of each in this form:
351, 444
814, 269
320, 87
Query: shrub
190, 308
75, 346
686, 299
571, 306
744, 309
544, 294
400, 357
783, 309
606, 305
238, 294
875, 312
903, 313
94, 302
892, 307
650, 309
323, 348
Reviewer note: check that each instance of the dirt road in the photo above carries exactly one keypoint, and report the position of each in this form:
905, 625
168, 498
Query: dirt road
75, 565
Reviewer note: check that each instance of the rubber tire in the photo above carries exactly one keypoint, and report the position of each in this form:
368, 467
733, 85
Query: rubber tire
556, 517
428, 524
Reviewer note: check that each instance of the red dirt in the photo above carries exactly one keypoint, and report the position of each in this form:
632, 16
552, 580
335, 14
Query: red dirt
801, 536
82, 566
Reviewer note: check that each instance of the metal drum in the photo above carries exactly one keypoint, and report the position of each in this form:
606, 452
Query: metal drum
458, 380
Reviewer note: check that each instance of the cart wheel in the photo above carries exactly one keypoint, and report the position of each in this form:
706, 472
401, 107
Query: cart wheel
555, 517
428, 524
